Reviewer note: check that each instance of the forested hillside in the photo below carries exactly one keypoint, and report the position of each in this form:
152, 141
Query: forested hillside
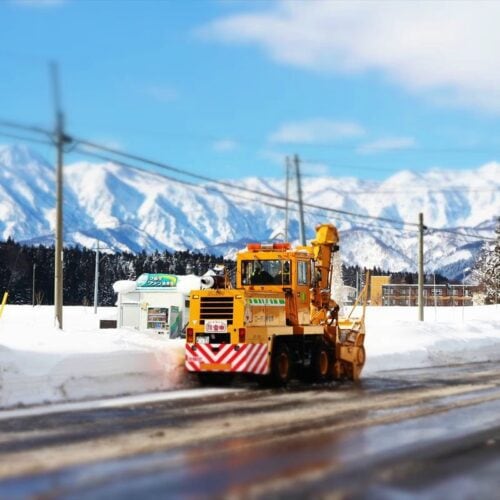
17, 263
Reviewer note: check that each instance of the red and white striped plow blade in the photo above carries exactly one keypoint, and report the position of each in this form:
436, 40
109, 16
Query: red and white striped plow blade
241, 358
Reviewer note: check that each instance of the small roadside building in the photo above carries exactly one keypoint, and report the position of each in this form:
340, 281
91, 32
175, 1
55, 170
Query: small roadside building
155, 302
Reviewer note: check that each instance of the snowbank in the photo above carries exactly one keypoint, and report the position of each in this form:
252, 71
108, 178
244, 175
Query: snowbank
40, 364
396, 340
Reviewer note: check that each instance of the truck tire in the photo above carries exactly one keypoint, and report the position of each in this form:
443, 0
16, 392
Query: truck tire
321, 362
281, 365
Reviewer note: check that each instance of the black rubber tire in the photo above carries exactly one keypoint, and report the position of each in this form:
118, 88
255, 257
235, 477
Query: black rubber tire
321, 362
281, 365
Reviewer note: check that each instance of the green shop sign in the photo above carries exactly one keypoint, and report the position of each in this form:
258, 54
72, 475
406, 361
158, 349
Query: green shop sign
147, 280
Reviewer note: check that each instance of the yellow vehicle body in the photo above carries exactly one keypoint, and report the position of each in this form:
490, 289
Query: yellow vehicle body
279, 321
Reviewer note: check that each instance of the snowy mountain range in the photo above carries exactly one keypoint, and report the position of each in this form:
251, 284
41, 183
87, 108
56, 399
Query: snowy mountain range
133, 210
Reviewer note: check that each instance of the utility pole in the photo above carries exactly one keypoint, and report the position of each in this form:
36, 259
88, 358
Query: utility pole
58, 257
33, 287
467, 269
287, 194
421, 229
435, 297
301, 206
96, 277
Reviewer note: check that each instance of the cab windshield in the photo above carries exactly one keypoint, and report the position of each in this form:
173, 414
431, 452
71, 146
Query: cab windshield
265, 272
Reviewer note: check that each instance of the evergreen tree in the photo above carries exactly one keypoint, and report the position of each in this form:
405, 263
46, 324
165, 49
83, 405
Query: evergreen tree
487, 269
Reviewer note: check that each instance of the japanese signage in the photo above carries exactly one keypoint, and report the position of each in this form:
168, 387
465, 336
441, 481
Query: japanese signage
147, 280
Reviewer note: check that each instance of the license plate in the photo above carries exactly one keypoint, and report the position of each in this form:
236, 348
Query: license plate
215, 326
203, 339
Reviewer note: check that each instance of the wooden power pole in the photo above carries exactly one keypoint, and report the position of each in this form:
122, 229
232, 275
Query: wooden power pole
58, 251
421, 229
301, 206
287, 195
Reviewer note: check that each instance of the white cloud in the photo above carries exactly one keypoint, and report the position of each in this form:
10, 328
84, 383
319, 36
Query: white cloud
450, 48
162, 93
315, 131
224, 145
273, 156
315, 169
387, 144
308, 168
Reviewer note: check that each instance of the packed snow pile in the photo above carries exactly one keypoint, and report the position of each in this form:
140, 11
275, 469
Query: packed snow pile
40, 364
449, 335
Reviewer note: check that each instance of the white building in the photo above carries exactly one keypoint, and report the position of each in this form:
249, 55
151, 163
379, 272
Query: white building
155, 302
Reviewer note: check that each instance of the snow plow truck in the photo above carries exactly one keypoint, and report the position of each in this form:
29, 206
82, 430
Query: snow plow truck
279, 322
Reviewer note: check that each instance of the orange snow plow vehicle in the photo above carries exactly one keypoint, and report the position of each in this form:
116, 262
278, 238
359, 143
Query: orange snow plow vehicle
279, 321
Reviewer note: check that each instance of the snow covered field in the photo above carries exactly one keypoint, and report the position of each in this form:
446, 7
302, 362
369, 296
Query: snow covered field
39, 364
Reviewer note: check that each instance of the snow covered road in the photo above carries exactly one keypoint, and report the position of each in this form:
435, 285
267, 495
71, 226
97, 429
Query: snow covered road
430, 432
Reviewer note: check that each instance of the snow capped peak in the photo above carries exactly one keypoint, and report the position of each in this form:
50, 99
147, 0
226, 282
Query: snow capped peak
490, 170
12, 157
133, 210
403, 178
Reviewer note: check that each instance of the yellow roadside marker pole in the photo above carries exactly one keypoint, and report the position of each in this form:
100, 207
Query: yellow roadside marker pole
4, 300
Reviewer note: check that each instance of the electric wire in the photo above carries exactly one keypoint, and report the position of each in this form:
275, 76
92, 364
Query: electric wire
161, 165
253, 191
165, 166
265, 202
26, 128
184, 182
19, 137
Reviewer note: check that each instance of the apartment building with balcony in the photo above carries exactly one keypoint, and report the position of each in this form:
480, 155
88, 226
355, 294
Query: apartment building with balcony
434, 295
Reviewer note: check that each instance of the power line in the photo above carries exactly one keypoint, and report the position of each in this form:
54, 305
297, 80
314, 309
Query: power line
178, 181
171, 168
216, 189
374, 191
253, 191
26, 128
25, 138
239, 197
459, 233
187, 173
333, 164
230, 185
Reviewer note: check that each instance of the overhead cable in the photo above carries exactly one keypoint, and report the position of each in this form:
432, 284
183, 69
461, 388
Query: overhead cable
162, 165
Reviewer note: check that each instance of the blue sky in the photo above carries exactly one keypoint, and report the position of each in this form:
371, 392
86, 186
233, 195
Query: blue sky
228, 88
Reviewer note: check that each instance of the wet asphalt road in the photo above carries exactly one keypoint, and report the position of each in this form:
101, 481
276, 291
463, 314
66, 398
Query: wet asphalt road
426, 433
